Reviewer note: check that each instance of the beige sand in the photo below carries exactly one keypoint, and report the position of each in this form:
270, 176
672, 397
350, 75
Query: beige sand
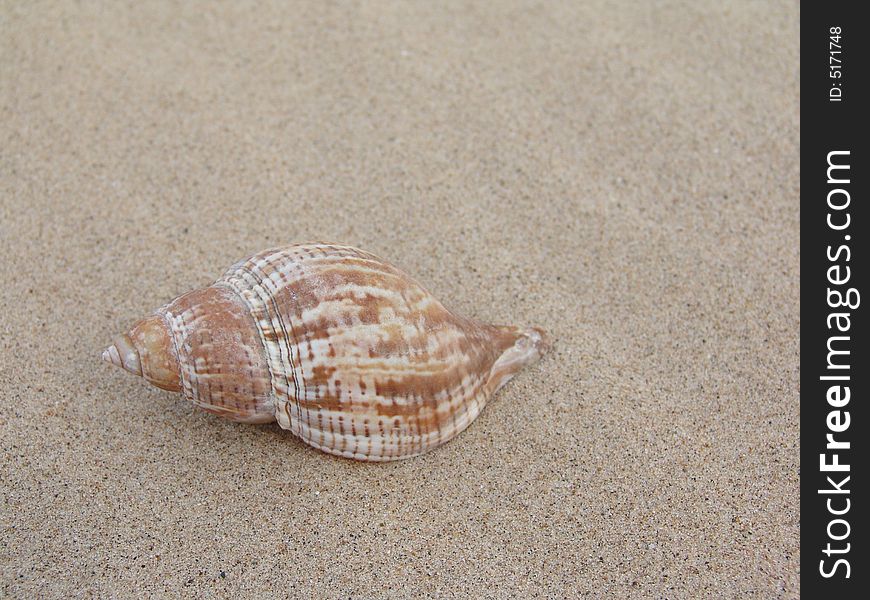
626, 178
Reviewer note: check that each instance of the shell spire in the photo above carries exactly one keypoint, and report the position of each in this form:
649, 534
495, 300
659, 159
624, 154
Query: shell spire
147, 351
343, 349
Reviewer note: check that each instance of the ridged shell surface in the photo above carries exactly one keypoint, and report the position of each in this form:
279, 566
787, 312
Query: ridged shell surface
356, 358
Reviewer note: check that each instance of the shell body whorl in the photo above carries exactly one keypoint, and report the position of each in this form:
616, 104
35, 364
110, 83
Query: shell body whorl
343, 349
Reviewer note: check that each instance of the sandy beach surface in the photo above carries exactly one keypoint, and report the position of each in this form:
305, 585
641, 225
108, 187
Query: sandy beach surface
625, 177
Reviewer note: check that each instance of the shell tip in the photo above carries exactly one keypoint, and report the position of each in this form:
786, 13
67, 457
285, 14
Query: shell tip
522, 346
122, 353
110, 355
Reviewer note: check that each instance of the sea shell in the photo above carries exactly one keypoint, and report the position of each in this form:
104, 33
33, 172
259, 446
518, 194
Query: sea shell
339, 346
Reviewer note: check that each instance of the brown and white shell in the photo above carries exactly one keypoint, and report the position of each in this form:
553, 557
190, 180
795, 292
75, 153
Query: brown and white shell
340, 347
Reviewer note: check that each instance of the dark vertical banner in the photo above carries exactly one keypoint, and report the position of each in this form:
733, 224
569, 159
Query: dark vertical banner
835, 369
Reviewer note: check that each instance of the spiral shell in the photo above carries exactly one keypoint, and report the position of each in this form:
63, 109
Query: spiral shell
339, 346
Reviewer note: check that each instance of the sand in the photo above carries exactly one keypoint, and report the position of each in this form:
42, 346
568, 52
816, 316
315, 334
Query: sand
624, 177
